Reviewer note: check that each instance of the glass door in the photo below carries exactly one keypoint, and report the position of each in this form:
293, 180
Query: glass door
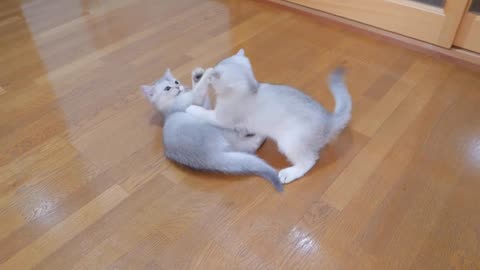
433, 21
468, 36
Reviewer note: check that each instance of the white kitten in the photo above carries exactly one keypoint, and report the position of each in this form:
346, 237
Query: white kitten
299, 125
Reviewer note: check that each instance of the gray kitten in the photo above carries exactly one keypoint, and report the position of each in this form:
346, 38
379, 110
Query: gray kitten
196, 144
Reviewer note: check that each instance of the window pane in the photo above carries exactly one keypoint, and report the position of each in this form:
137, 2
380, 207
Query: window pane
437, 3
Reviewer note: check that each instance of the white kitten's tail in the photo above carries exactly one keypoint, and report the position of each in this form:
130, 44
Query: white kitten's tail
343, 102
244, 163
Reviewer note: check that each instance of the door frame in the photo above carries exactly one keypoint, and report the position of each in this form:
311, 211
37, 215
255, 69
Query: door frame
412, 19
469, 26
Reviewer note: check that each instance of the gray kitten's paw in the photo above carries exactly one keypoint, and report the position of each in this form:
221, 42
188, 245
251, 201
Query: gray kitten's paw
197, 74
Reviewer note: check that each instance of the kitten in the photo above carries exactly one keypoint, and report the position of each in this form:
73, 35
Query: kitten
197, 144
299, 125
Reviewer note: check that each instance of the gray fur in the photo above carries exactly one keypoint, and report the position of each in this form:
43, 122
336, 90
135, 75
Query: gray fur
343, 103
198, 145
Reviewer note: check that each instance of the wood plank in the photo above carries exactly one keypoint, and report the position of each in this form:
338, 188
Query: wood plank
60, 234
84, 182
356, 174
372, 120
242, 32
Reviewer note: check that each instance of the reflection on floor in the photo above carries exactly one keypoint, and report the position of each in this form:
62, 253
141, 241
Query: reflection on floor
84, 183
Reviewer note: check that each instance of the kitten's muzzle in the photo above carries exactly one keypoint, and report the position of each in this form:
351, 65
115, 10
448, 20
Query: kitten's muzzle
180, 89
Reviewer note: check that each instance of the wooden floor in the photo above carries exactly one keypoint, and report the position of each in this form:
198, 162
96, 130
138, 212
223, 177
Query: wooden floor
84, 183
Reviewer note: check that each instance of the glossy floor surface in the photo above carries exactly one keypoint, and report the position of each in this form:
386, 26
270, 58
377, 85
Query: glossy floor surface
84, 183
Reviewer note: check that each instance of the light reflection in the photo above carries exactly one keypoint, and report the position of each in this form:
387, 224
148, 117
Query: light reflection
303, 241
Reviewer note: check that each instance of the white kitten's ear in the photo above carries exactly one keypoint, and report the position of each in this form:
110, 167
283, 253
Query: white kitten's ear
241, 52
147, 90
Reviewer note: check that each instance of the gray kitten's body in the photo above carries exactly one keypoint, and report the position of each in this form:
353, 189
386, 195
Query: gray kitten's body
196, 144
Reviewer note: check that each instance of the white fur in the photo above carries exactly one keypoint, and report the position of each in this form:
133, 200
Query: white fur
299, 125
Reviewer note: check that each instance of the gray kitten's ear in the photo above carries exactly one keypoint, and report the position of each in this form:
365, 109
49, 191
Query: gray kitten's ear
168, 74
147, 90
241, 52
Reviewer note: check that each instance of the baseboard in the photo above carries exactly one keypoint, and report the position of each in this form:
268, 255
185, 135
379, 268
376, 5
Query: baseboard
458, 55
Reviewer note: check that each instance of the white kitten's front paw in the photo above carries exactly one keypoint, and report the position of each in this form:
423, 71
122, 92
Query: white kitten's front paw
195, 110
197, 74
290, 174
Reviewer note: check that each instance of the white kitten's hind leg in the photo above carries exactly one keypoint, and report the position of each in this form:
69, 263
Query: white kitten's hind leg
302, 158
291, 174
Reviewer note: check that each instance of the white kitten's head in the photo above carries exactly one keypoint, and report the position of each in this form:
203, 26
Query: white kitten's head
234, 76
164, 91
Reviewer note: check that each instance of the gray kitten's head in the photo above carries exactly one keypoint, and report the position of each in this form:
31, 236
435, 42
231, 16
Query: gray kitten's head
234, 76
163, 92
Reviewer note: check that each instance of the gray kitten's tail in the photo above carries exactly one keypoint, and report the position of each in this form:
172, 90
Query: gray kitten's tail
244, 163
343, 102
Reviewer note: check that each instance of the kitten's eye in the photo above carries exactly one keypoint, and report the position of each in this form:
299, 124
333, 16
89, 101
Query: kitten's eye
167, 88
176, 82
